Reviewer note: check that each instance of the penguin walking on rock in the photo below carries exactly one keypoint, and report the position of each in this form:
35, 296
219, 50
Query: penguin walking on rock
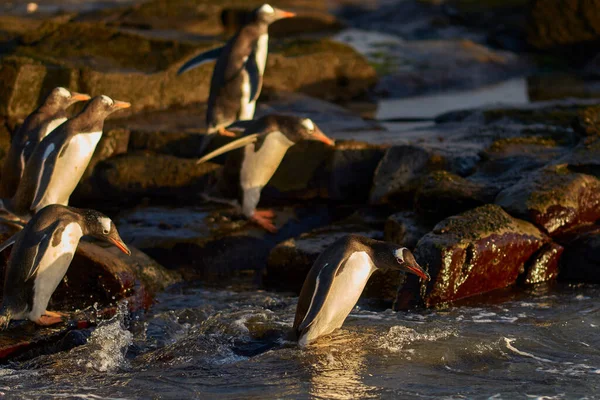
265, 142
41, 256
49, 115
337, 279
59, 161
238, 75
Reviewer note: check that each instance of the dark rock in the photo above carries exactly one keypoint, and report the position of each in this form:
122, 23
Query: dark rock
588, 121
5, 139
290, 261
561, 86
471, 253
563, 23
405, 228
131, 177
544, 266
442, 194
555, 199
397, 176
581, 260
584, 158
211, 242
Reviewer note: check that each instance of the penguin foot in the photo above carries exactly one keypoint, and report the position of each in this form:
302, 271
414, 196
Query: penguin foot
224, 132
50, 318
264, 219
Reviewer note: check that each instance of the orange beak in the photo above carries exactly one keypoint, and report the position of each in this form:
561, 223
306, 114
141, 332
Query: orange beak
320, 136
121, 104
287, 14
120, 245
79, 96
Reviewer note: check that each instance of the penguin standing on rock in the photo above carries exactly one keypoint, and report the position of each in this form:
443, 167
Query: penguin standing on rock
238, 75
41, 256
337, 279
49, 115
265, 142
59, 161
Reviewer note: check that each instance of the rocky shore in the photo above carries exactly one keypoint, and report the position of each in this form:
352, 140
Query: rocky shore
487, 198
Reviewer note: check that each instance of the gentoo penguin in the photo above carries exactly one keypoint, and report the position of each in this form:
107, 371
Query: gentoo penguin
50, 114
238, 75
41, 255
59, 161
265, 143
338, 277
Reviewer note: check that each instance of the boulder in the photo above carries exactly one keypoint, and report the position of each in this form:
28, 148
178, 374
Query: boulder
405, 228
472, 253
128, 178
442, 194
563, 23
290, 261
581, 260
584, 158
212, 242
554, 198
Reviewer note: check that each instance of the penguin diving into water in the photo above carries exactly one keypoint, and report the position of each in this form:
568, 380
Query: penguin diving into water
238, 75
59, 161
49, 115
265, 142
41, 256
337, 279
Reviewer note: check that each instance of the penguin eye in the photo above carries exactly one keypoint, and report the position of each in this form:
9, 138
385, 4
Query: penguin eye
105, 231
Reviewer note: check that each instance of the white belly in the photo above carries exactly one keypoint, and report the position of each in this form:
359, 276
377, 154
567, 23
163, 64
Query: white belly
258, 168
55, 123
262, 49
52, 268
343, 295
247, 107
69, 169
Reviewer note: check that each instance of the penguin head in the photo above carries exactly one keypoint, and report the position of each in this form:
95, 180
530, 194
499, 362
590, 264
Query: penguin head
393, 257
305, 129
101, 227
268, 14
60, 99
103, 106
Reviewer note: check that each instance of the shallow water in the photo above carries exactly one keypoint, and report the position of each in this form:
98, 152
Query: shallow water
204, 343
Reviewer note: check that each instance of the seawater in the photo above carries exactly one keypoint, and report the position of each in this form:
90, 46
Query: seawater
203, 343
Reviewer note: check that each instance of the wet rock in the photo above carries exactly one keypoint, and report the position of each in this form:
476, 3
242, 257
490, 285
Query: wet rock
290, 261
554, 198
544, 266
563, 23
133, 176
581, 260
588, 121
405, 228
584, 158
5, 139
442, 194
212, 242
472, 253
560, 86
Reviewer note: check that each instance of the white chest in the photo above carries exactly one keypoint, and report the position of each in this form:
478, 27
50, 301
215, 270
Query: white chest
259, 166
344, 292
52, 125
262, 49
53, 266
69, 168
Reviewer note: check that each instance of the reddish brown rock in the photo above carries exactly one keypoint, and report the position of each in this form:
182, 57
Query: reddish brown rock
472, 253
554, 199
544, 266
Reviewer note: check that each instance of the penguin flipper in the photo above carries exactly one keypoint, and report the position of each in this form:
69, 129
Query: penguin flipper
200, 59
323, 285
236, 144
45, 173
42, 246
254, 76
9, 242
241, 125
